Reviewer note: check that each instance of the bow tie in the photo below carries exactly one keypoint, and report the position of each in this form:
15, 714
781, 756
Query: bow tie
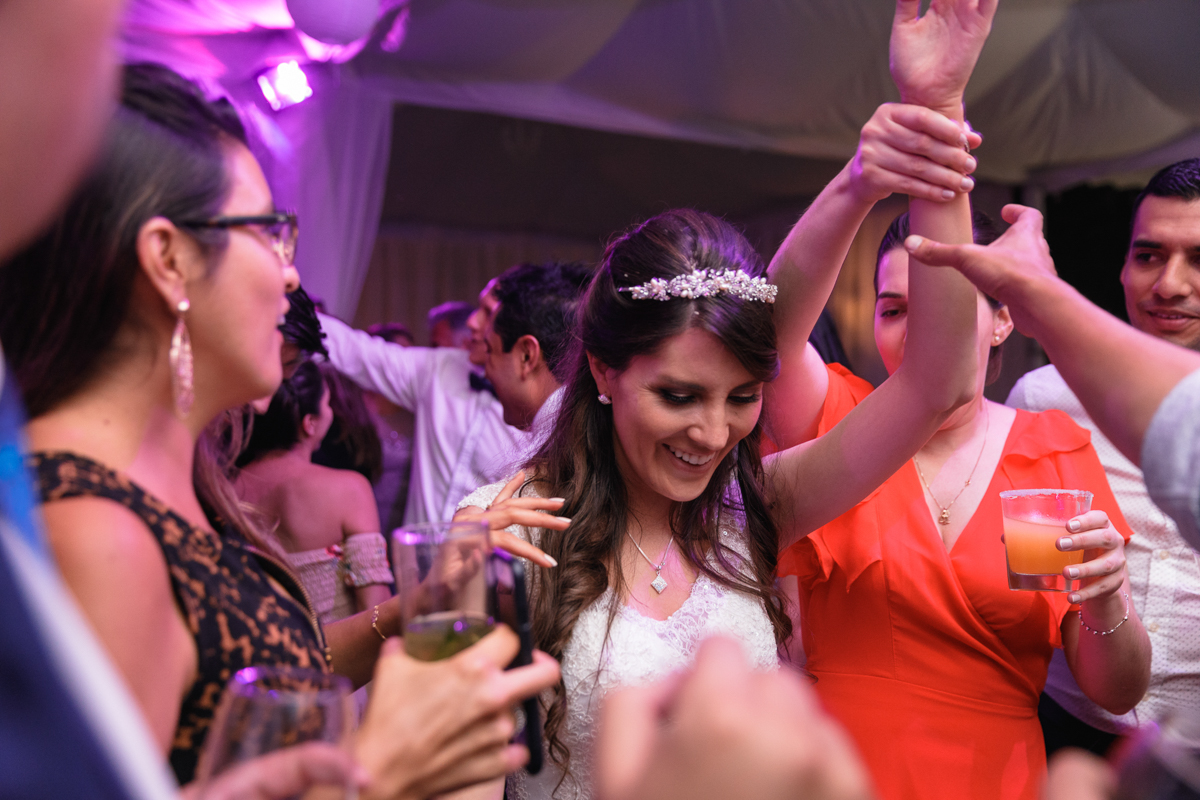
481, 384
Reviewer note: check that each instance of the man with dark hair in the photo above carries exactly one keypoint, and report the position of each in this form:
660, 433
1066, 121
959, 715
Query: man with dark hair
448, 324
460, 441
1161, 275
527, 336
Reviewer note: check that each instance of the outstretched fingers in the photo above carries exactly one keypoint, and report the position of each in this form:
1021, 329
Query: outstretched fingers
511, 543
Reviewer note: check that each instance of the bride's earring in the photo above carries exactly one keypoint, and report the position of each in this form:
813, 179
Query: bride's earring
605, 400
180, 360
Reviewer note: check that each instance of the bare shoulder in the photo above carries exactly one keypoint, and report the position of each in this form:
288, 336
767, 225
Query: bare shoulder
112, 563
105, 537
345, 482
347, 492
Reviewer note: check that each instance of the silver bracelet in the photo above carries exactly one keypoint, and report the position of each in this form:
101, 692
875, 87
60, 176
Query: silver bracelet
1113, 628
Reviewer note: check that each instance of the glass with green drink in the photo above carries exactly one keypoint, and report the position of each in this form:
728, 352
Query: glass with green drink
441, 580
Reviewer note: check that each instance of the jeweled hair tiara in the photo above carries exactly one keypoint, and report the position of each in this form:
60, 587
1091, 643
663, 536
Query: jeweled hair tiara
703, 283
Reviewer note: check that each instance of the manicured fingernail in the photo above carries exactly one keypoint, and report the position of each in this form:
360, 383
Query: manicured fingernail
947, 194
967, 184
1074, 525
551, 561
557, 500
962, 140
566, 520
914, 242
1065, 543
1073, 597
971, 163
1072, 572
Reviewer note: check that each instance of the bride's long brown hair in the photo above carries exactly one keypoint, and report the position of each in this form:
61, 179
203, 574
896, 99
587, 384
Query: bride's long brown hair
578, 460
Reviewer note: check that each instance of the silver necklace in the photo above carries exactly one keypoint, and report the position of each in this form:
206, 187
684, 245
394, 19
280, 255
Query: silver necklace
944, 517
659, 584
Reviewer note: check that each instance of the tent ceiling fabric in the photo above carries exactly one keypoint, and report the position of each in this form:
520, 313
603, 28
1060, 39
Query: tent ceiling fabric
1074, 85
1060, 84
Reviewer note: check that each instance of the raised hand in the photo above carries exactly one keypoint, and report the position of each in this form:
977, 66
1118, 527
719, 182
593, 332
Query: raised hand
932, 56
1006, 268
529, 512
911, 150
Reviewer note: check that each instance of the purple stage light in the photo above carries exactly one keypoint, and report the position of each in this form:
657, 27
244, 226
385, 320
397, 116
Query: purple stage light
285, 85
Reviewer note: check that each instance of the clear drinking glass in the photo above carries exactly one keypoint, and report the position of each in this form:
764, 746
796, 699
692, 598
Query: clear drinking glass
269, 708
1034, 520
440, 577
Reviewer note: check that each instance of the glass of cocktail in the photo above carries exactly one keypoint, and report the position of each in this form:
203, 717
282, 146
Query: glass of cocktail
440, 577
1034, 521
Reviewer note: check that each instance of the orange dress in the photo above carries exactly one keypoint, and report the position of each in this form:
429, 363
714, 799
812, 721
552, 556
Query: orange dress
925, 656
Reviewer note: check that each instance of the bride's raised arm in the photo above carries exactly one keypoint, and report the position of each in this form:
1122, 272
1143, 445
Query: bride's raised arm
931, 60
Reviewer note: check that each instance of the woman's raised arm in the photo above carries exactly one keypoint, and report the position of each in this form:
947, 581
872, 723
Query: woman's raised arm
931, 57
902, 149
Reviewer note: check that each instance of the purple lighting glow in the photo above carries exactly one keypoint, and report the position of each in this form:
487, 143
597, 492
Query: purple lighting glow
285, 85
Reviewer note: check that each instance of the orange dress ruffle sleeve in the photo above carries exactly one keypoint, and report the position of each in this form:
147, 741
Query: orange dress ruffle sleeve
932, 664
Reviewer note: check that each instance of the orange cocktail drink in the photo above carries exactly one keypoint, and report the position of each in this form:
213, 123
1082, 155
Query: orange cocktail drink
1034, 521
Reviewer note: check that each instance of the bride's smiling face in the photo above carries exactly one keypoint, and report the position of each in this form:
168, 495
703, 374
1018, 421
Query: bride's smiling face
677, 412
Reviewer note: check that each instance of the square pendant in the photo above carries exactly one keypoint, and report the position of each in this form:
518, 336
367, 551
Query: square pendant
658, 584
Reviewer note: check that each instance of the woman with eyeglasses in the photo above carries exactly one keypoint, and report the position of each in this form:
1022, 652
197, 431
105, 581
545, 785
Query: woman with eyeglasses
150, 306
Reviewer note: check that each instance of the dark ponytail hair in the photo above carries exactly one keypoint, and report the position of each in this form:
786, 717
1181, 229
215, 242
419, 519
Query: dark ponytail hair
578, 461
280, 426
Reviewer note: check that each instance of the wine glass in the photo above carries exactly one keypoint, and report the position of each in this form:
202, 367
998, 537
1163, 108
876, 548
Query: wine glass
270, 708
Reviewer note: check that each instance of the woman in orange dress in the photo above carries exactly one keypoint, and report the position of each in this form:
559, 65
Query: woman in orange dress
916, 642
917, 645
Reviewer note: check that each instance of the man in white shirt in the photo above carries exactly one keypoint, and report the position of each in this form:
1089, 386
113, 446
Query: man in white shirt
460, 439
525, 325
1161, 277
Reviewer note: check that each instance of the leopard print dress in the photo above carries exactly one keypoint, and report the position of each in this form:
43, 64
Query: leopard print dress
222, 587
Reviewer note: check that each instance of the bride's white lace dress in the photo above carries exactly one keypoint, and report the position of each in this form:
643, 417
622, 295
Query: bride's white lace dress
639, 650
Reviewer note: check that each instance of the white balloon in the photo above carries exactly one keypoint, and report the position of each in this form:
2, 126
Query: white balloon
334, 21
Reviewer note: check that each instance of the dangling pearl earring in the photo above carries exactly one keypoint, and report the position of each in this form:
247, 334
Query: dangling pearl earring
180, 359
605, 400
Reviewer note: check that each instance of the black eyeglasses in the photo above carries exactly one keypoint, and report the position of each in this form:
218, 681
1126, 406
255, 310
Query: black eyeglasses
282, 227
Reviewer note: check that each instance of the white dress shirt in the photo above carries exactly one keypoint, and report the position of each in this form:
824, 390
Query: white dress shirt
460, 439
543, 421
1164, 575
1171, 457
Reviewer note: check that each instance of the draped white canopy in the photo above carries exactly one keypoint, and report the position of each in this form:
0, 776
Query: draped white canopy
1065, 91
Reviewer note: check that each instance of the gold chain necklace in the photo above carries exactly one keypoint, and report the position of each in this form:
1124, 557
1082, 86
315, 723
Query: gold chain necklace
944, 517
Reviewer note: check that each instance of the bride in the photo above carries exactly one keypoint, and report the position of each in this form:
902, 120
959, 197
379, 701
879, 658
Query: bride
675, 519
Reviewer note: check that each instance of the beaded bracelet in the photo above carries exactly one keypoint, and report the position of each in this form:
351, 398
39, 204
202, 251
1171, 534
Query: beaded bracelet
375, 622
1125, 597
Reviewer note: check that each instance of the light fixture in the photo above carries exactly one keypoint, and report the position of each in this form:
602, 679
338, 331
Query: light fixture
284, 85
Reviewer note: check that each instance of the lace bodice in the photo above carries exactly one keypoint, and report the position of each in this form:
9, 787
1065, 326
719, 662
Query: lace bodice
639, 650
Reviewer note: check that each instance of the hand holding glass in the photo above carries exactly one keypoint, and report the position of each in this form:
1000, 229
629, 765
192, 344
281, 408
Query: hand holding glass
1034, 521
440, 578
